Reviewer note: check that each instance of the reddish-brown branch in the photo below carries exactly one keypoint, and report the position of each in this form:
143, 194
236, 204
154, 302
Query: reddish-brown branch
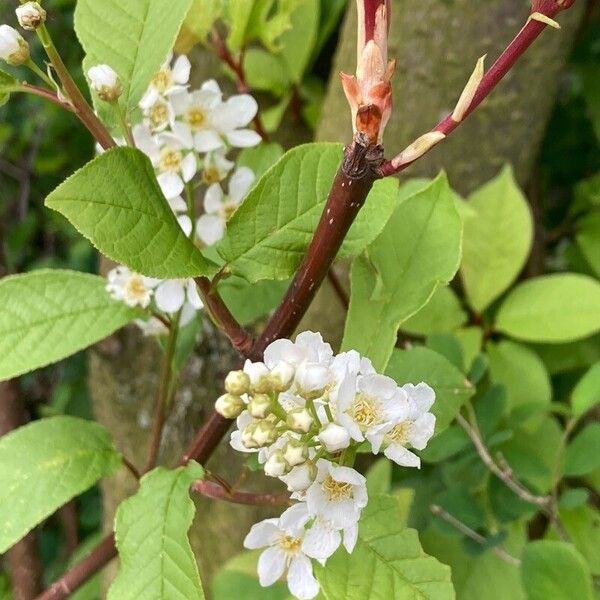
217, 492
237, 66
522, 41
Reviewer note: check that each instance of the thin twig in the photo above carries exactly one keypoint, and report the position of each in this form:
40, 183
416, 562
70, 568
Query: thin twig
218, 492
338, 288
130, 467
476, 537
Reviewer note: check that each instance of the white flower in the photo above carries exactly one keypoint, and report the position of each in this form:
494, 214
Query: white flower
13, 48
105, 82
322, 539
300, 478
216, 166
30, 15
130, 287
413, 428
311, 379
168, 80
338, 494
334, 437
232, 117
366, 402
158, 115
308, 346
152, 327
219, 209
283, 553
172, 294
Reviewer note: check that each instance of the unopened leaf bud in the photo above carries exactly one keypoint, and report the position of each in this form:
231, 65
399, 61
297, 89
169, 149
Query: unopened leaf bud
312, 379
229, 406
276, 465
264, 433
334, 437
237, 382
281, 376
13, 48
295, 452
259, 376
30, 15
260, 406
105, 82
299, 420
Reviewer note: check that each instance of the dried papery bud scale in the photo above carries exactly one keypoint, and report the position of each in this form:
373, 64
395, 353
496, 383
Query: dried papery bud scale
30, 15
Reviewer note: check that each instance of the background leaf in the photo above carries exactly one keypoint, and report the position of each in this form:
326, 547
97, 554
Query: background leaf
583, 452
45, 464
116, 203
48, 315
587, 391
553, 308
151, 533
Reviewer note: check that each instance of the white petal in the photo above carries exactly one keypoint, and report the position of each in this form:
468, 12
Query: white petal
145, 141
262, 534
189, 166
301, 580
207, 141
379, 386
403, 457
243, 138
321, 541
177, 204
192, 295
183, 133
213, 199
238, 111
149, 98
350, 537
210, 229
186, 224
271, 565
170, 295
240, 183
171, 184
180, 101
212, 86
421, 394
188, 314
181, 69
294, 518
422, 431
347, 475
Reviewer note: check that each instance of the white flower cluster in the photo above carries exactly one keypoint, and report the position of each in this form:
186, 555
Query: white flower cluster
186, 134
307, 412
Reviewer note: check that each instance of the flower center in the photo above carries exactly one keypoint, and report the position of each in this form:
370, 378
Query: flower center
399, 433
195, 116
290, 544
366, 410
170, 159
162, 80
135, 288
228, 209
211, 175
159, 114
337, 490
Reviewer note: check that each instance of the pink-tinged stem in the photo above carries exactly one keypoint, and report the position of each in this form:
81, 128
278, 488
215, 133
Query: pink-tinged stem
370, 8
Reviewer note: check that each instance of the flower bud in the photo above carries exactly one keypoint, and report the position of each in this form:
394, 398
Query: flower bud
295, 453
334, 437
312, 379
30, 15
237, 382
229, 406
259, 406
105, 82
276, 465
299, 420
259, 376
247, 436
300, 478
264, 433
281, 376
13, 48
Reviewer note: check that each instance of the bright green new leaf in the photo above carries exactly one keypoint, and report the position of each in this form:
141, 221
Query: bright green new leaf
522, 372
496, 240
555, 571
387, 562
134, 38
588, 239
443, 312
553, 308
587, 391
418, 250
260, 158
8, 84
116, 203
379, 478
265, 72
268, 235
198, 23
237, 16
45, 464
583, 452
451, 388
151, 531
48, 315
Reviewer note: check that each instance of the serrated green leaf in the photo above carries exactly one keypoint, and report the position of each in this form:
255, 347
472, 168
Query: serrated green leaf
387, 562
553, 308
45, 464
443, 312
260, 158
48, 315
496, 240
268, 235
583, 452
134, 38
116, 203
555, 570
151, 529
451, 388
587, 391
418, 250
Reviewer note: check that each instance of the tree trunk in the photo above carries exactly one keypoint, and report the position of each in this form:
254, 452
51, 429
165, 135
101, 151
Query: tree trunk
437, 43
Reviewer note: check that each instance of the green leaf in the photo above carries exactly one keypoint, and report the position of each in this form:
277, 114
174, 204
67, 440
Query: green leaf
8, 84
497, 239
418, 250
387, 562
418, 364
555, 570
260, 158
197, 24
265, 72
447, 344
379, 478
48, 315
590, 78
573, 498
267, 236
116, 203
443, 312
237, 15
522, 372
553, 308
588, 239
587, 391
134, 40
471, 339
45, 464
151, 533
583, 452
